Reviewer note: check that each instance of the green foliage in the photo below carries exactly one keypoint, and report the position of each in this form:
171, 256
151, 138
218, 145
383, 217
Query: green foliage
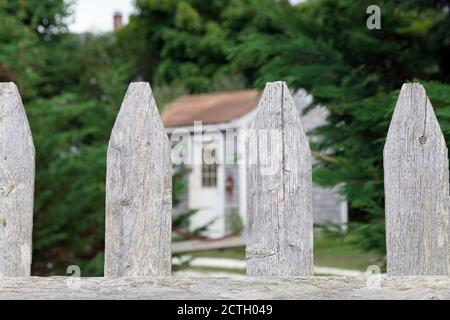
26, 27
71, 146
192, 42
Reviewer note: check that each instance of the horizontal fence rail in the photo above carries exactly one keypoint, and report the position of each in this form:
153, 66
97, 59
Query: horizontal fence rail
279, 234
207, 288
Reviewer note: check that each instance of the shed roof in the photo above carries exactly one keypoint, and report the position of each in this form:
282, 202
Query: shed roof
210, 108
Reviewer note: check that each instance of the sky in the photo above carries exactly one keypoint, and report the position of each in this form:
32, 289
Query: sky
97, 15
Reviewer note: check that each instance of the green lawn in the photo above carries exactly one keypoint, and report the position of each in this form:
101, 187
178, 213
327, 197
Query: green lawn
330, 250
339, 251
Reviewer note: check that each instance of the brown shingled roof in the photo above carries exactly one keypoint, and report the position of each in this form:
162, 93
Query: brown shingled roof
210, 108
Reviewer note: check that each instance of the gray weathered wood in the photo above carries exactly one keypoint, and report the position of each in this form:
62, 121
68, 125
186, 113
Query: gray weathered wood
279, 201
416, 182
174, 288
16, 184
138, 190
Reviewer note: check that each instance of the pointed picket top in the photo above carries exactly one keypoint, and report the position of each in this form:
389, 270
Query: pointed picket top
416, 182
279, 202
138, 190
16, 184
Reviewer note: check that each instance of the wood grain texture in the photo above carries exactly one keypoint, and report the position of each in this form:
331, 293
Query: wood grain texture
174, 288
279, 202
138, 190
416, 182
16, 184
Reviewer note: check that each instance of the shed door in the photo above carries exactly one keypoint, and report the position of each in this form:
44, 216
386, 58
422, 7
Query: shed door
206, 190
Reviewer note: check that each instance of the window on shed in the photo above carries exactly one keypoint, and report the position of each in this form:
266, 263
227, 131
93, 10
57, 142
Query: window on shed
209, 172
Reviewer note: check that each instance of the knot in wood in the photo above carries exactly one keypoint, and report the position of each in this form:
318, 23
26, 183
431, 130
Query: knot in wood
259, 253
423, 139
6, 190
126, 201
129, 265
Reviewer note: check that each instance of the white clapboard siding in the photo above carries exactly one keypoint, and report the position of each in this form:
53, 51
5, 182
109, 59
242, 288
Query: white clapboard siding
279, 204
16, 184
138, 190
416, 181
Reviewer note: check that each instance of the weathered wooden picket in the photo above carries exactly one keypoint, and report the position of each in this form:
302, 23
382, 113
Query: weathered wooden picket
279, 226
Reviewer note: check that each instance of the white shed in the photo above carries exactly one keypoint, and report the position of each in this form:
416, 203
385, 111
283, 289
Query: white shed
215, 125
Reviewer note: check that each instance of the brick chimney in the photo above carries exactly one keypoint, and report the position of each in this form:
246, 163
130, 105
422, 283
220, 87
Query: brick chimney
117, 21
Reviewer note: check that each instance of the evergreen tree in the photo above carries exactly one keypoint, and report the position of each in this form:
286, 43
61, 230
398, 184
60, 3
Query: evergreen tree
357, 74
191, 42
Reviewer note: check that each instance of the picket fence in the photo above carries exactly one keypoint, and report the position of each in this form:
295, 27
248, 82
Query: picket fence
279, 224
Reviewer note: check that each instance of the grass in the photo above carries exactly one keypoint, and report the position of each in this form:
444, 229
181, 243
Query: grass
341, 251
330, 250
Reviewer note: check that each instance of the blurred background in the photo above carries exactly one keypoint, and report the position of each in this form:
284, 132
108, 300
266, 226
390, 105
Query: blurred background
73, 61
